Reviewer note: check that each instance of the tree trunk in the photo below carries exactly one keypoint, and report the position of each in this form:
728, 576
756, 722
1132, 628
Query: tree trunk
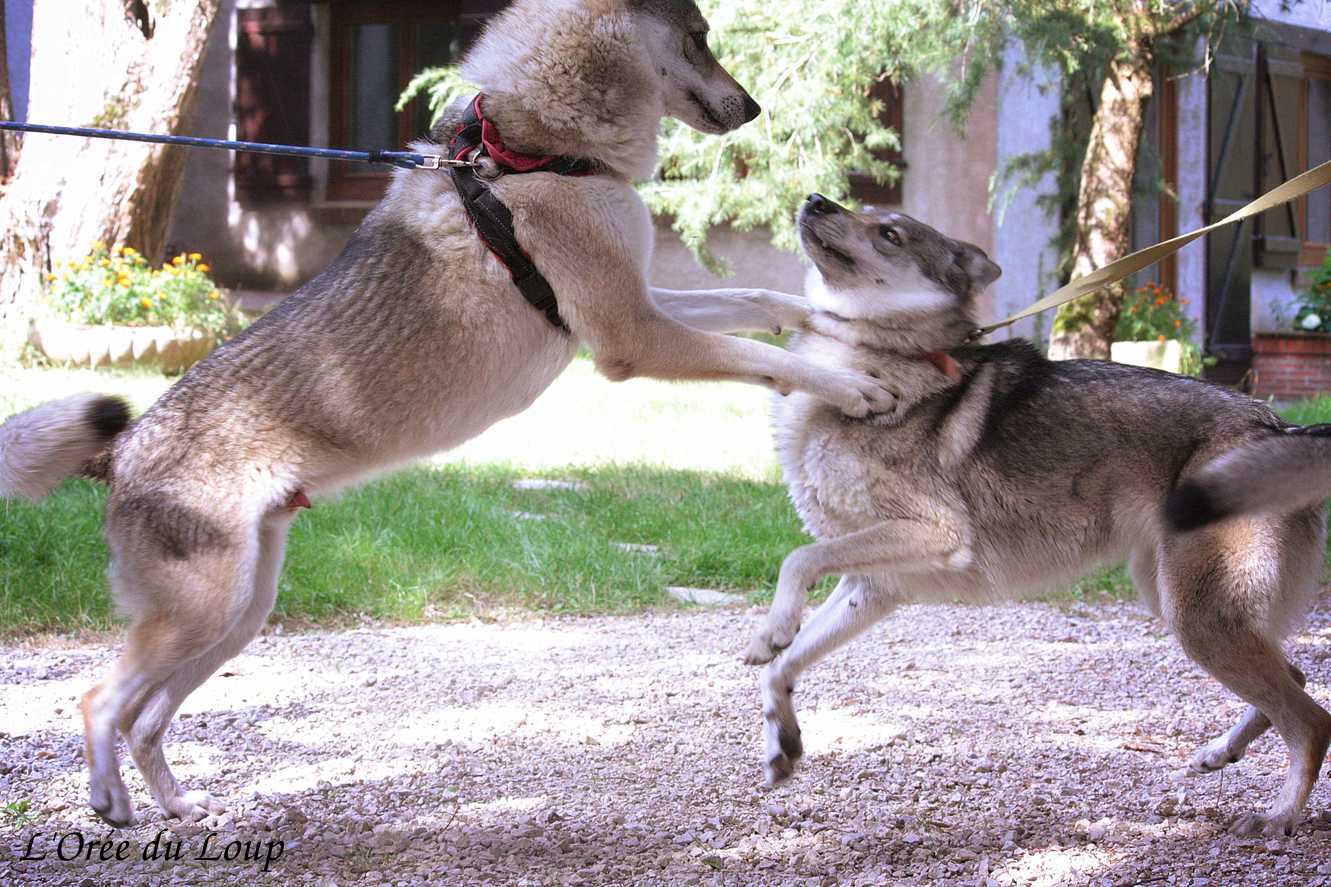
126, 65
1085, 328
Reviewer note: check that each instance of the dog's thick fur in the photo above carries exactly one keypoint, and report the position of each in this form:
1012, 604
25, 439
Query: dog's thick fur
1003, 472
413, 340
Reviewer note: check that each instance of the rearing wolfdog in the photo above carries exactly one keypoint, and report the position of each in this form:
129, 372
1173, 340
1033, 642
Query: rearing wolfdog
413, 340
1003, 471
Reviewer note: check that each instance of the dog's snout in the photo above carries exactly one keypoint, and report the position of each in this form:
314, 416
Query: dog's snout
820, 205
751, 108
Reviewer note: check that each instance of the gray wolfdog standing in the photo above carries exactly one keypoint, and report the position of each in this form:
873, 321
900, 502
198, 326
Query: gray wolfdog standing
1003, 471
413, 340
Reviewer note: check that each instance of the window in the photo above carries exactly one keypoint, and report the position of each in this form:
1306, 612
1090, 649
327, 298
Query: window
1315, 148
376, 49
272, 101
862, 186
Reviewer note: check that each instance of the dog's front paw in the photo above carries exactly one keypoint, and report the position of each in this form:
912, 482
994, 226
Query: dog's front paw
860, 395
784, 311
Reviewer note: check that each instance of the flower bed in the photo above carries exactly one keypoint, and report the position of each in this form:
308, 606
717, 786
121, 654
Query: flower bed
111, 308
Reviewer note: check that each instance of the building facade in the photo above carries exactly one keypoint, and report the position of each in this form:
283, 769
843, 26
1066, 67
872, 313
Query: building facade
328, 72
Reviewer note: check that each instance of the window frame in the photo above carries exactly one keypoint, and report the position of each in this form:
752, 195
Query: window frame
356, 182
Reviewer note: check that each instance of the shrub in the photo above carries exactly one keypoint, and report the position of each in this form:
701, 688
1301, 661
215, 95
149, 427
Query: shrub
1312, 312
1152, 312
118, 286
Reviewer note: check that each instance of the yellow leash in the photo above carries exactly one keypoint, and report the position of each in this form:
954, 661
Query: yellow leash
1115, 271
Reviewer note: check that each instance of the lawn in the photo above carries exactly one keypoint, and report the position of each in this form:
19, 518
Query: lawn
675, 485
664, 485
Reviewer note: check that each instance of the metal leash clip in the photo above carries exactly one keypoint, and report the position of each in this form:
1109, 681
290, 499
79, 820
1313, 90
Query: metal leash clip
439, 161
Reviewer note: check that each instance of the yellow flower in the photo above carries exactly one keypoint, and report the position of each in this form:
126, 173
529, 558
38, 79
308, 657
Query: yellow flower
178, 260
124, 282
128, 250
204, 268
194, 257
50, 277
97, 244
146, 303
105, 263
214, 295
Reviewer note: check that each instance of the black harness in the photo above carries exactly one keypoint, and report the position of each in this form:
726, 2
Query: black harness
477, 137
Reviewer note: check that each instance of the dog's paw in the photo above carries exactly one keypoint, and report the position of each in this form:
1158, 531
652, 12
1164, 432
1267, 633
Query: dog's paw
768, 643
113, 805
1265, 825
1213, 756
193, 805
784, 311
784, 748
862, 395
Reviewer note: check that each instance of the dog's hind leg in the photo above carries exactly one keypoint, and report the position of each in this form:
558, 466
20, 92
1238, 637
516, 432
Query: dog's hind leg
1229, 747
186, 580
853, 607
1215, 612
147, 726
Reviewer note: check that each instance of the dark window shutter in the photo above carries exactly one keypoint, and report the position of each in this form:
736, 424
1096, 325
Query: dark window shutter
273, 100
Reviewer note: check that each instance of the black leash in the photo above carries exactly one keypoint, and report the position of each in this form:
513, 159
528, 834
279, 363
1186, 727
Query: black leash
403, 159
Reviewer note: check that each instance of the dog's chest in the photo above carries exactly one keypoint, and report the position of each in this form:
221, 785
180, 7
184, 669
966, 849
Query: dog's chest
845, 474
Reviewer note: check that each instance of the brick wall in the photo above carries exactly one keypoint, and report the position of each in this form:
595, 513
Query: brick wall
1289, 366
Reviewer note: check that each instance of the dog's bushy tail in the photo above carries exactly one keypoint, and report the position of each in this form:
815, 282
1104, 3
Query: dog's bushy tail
46, 444
1284, 472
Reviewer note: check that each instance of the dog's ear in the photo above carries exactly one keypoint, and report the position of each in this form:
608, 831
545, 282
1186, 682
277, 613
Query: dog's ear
982, 270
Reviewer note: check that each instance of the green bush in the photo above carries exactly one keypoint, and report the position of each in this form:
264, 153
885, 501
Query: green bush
1152, 312
118, 286
1313, 308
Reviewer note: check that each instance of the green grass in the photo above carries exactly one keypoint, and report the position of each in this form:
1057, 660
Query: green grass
687, 468
444, 542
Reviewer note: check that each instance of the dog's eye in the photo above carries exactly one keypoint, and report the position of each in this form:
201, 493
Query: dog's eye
699, 39
888, 233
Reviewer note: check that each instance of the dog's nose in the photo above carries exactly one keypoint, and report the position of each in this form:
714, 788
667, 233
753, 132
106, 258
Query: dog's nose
751, 108
820, 205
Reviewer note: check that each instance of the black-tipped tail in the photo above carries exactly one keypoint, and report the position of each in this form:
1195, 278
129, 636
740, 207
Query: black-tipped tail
108, 416
1191, 507
46, 444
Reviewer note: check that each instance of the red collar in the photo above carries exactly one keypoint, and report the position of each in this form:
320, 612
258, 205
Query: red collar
476, 131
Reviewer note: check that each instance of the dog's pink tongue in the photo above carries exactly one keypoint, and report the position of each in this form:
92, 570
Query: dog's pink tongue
299, 500
944, 363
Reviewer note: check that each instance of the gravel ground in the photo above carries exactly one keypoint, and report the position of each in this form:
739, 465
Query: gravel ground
1015, 744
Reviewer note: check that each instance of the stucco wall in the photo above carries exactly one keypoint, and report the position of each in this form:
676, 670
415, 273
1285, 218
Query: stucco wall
18, 49
1028, 102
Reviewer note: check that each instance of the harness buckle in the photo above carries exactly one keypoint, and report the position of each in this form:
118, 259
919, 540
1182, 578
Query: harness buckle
439, 161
